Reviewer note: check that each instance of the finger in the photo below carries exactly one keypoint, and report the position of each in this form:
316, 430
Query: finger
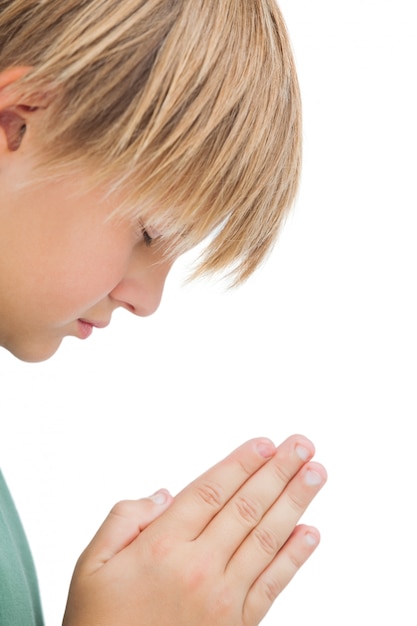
123, 524
198, 503
299, 547
251, 502
269, 536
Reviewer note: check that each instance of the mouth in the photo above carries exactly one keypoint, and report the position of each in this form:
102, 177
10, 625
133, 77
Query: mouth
85, 327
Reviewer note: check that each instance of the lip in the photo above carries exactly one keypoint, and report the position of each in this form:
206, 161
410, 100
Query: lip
85, 327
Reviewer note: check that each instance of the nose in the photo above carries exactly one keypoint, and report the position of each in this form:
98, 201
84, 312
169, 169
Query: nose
140, 290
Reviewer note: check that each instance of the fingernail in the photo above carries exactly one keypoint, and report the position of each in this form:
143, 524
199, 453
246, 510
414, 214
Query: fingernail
160, 497
302, 452
266, 449
313, 478
310, 539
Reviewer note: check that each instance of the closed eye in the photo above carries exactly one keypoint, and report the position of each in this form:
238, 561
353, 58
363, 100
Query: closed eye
148, 233
147, 238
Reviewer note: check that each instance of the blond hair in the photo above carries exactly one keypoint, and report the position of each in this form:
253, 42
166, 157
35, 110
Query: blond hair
191, 107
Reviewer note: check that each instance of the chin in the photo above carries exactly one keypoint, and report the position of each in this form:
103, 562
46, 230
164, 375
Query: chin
33, 352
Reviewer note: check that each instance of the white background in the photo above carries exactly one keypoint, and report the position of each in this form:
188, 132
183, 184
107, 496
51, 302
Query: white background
321, 341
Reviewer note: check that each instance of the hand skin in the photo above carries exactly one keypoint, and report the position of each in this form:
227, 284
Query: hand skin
218, 553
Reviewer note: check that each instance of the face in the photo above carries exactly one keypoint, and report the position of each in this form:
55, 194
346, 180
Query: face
64, 266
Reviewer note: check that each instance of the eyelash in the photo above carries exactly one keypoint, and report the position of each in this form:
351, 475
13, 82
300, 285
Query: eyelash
147, 238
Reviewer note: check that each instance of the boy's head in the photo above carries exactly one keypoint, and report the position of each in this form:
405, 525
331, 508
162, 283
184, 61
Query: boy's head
192, 107
187, 114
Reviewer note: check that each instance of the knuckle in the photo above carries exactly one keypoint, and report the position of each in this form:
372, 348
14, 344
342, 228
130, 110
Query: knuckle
211, 493
267, 540
196, 575
122, 509
246, 467
296, 502
161, 546
248, 510
282, 473
198, 572
272, 588
295, 560
225, 604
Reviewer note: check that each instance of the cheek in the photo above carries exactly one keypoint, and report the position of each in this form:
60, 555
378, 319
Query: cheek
78, 277
90, 281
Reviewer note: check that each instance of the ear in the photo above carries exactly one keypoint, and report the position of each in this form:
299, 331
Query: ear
13, 113
14, 127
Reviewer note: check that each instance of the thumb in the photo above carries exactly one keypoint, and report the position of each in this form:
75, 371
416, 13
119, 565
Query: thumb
123, 524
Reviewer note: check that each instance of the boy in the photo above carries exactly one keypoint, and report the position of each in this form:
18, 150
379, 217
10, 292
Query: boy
129, 132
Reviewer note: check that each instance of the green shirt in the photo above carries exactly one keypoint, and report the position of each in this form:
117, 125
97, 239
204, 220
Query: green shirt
19, 595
